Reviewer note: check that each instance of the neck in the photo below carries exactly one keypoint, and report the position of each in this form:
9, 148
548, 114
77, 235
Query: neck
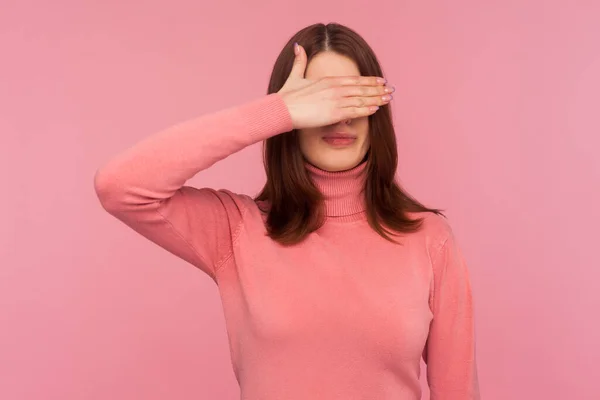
343, 192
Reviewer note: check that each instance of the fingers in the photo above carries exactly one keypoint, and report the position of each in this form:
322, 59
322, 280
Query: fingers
355, 112
364, 91
334, 81
299, 66
359, 95
364, 101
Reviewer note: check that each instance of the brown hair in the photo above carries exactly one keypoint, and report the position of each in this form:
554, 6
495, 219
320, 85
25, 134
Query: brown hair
294, 203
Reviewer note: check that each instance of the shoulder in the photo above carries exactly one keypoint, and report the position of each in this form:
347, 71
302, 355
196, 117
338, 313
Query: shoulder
435, 229
224, 199
433, 225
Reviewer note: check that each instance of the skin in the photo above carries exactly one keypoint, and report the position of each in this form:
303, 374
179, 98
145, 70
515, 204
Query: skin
316, 150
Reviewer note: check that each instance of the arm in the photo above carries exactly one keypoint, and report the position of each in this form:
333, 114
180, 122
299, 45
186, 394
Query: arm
450, 350
144, 186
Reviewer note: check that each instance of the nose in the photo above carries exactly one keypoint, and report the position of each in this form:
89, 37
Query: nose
344, 122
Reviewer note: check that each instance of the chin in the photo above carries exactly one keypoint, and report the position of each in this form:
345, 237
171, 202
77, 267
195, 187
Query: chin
337, 166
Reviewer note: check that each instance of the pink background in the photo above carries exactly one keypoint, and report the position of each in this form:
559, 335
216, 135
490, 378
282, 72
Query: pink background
497, 111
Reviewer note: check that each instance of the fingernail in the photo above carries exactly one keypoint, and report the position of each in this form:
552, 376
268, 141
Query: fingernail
381, 80
296, 48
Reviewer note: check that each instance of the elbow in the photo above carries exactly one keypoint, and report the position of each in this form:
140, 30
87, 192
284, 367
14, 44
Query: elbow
108, 190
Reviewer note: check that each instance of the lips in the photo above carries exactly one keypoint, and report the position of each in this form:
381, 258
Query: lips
339, 135
339, 139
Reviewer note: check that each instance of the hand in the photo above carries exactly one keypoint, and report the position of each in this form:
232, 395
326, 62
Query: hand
330, 99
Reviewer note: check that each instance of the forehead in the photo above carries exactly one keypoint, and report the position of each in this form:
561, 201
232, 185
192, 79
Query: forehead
329, 63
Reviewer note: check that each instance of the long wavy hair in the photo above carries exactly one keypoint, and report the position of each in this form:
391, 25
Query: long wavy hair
294, 204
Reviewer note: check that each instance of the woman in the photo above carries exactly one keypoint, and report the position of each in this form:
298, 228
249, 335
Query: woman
334, 281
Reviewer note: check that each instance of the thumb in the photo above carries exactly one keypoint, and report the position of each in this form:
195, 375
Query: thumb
299, 66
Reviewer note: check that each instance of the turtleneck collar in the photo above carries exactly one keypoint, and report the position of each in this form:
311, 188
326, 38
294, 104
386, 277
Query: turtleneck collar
343, 191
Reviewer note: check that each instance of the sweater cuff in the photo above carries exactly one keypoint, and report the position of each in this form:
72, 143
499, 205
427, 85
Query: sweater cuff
266, 117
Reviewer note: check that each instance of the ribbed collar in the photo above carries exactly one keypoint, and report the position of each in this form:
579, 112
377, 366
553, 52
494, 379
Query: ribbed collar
343, 191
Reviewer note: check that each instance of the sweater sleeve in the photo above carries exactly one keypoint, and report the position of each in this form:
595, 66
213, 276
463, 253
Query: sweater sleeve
144, 186
450, 350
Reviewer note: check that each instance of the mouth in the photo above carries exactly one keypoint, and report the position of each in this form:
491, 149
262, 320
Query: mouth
339, 139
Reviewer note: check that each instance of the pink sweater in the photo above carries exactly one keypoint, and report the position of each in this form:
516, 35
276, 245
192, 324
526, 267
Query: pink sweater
343, 315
